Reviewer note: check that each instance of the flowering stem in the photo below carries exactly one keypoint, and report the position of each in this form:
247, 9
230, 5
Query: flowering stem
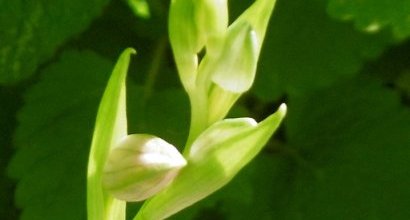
199, 117
154, 69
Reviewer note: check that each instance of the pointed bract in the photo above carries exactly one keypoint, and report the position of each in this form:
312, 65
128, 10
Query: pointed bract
234, 67
110, 128
236, 56
258, 15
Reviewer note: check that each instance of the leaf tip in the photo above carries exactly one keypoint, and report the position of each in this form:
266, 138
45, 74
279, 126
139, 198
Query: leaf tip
130, 51
283, 108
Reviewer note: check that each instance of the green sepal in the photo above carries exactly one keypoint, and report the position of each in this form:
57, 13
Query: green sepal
110, 128
184, 40
211, 19
217, 155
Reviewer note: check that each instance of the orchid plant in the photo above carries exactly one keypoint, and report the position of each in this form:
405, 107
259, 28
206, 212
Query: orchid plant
135, 167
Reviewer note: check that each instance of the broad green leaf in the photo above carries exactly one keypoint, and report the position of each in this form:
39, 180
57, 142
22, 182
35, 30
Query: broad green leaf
31, 31
110, 128
54, 136
304, 50
403, 83
374, 15
351, 144
10, 101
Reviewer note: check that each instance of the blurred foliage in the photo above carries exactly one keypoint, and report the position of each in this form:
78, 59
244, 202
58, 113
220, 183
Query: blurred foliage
310, 50
31, 31
372, 16
343, 67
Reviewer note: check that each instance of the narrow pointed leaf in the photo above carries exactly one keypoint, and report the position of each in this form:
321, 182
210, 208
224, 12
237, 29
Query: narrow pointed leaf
110, 127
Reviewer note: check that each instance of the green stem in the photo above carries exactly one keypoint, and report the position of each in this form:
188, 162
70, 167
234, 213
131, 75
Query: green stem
154, 68
199, 118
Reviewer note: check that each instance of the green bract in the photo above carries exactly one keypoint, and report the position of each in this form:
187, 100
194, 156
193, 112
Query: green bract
235, 56
143, 166
110, 128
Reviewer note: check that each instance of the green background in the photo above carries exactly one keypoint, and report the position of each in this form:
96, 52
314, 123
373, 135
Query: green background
342, 67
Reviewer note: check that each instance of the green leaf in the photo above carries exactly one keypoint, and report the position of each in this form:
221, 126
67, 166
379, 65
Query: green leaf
306, 50
372, 16
31, 31
54, 136
110, 128
403, 82
351, 150
10, 101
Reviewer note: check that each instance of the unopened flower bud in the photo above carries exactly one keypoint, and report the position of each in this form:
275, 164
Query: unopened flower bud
141, 166
191, 24
211, 18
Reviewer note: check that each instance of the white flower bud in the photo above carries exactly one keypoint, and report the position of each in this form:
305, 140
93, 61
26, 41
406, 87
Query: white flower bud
140, 166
